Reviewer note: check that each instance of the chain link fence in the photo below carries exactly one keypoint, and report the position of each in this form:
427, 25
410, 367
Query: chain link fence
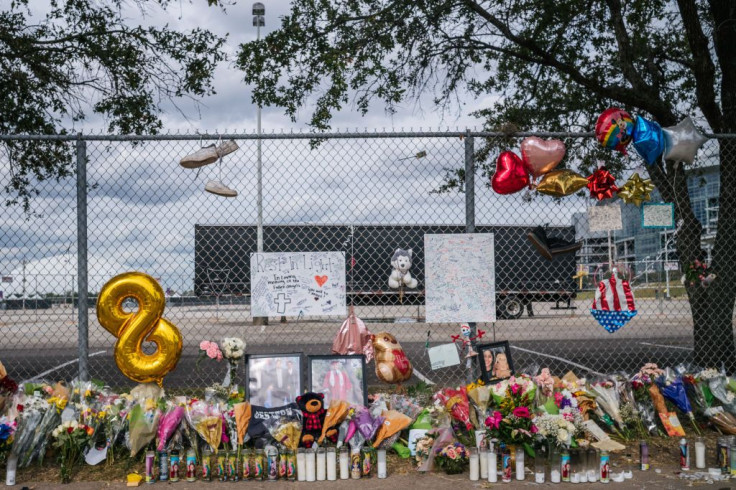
366, 194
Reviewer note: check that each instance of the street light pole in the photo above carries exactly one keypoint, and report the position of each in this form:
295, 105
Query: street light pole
259, 20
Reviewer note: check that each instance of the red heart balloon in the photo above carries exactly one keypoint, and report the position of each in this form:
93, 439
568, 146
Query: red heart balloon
511, 175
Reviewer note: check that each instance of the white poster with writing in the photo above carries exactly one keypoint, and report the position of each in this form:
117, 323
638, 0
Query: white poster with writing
605, 218
294, 283
460, 278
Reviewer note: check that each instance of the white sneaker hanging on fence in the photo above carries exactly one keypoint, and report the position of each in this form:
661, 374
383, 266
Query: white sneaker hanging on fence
217, 187
208, 154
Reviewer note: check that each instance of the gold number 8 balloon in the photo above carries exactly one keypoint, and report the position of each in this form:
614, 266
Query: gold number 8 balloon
132, 329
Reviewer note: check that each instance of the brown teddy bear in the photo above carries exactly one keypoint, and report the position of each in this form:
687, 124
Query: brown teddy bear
392, 365
313, 410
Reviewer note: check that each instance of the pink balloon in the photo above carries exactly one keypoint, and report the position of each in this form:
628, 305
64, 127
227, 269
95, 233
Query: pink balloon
541, 156
511, 174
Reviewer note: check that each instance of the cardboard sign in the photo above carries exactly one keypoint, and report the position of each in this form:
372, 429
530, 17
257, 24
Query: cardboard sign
460, 278
658, 215
442, 356
605, 218
290, 284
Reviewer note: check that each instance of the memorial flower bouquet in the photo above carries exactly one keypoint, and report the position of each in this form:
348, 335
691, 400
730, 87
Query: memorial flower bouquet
673, 389
70, 438
424, 447
455, 401
609, 408
554, 430
452, 459
511, 422
233, 349
7, 428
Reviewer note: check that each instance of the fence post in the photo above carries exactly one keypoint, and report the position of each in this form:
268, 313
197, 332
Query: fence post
470, 226
82, 307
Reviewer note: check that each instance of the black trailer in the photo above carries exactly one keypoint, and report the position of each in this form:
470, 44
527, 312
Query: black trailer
222, 260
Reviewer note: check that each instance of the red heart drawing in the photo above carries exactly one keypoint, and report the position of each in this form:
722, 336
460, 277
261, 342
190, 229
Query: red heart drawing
321, 280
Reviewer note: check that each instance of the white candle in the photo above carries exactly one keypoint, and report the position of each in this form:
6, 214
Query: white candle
574, 478
474, 465
344, 464
301, 466
593, 475
539, 477
519, 463
321, 464
554, 475
700, 453
483, 464
331, 464
492, 466
381, 463
10, 470
309, 461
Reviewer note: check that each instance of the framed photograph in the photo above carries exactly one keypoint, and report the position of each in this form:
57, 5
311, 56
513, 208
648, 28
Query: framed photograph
495, 361
339, 377
274, 379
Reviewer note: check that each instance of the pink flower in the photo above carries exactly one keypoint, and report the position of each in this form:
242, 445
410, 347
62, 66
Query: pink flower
522, 412
494, 420
534, 429
204, 345
558, 398
451, 453
515, 389
213, 352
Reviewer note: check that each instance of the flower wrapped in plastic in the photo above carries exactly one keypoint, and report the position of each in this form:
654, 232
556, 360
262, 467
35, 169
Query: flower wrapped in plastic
71, 438
286, 431
206, 419
142, 425
456, 403
50, 420
116, 425
393, 422
546, 392
31, 411
724, 421
607, 400
452, 459
555, 430
336, 413
673, 389
520, 387
168, 424
7, 429
480, 396
719, 386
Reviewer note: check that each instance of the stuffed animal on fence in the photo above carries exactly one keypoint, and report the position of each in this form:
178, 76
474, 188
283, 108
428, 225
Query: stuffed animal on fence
392, 365
400, 276
313, 411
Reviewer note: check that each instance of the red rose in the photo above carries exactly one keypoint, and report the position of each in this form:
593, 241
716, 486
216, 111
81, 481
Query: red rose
69, 430
19, 408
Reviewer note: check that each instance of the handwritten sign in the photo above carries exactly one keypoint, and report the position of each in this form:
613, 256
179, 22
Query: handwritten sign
658, 215
443, 356
605, 218
289, 284
460, 278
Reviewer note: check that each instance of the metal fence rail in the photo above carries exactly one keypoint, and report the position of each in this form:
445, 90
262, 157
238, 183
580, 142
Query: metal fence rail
132, 207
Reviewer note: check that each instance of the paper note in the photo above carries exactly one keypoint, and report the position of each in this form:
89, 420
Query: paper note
442, 356
658, 215
605, 218
460, 278
293, 283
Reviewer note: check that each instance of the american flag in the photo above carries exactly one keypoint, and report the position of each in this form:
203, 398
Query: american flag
613, 305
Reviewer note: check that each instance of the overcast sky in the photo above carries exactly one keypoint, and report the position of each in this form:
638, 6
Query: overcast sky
144, 206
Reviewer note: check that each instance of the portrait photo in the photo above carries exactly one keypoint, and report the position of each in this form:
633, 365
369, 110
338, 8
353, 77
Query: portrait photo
339, 378
495, 361
274, 379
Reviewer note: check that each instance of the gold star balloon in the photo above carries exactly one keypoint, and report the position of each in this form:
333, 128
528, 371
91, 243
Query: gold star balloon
636, 190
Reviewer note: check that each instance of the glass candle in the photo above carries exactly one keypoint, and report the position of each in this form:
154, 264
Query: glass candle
191, 465
519, 463
483, 453
366, 462
492, 465
257, 469
732, 457
593, 469
554, 466
321, 464
700, 453
583, 455
506, 465
311, 464
629, 466
574, 466
474, 464
150, 467
301, 465
207, 465
163, 465
540, 464
331, 464
245, 466
221, 465
381, 456
10, 470
174, 466
232, 466
283, 464
565, 465
605, 467
356, 468
290, 465
344, 463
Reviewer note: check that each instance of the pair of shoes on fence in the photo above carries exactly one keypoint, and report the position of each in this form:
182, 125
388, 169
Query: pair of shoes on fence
549, 247
206, 156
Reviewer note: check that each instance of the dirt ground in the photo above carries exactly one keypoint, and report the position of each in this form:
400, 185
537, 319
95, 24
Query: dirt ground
664, 474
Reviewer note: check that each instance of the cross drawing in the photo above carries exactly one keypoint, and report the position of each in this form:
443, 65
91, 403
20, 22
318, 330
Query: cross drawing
281, 302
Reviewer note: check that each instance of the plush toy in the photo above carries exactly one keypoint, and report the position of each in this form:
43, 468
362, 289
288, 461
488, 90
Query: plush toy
392, 365
466, 340
400, 276
313, 410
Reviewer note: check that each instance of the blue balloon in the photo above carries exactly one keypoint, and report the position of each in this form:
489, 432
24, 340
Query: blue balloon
648, 139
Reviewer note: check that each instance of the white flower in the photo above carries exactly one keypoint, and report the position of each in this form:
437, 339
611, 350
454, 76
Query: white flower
233, 348
563, 436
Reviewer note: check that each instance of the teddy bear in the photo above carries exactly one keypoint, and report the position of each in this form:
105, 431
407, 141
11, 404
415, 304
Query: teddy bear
400, 276
313, 410
392, 365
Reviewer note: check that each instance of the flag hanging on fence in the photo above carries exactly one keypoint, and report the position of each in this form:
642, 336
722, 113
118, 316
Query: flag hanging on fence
613, 305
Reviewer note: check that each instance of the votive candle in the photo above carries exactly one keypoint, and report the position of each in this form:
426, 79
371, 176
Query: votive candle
381, 456
483, 463
331, 464
321, 464
700, 453
344, 463
519, 463
492, 466
311, 467
474, 464
301, 465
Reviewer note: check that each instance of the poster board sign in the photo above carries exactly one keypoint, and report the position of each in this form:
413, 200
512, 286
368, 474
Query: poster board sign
658, 215
605, 218
294, 283
460, 278
442, 356
671, 266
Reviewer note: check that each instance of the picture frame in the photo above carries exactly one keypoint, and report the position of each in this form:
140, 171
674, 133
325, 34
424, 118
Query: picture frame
489, 355
346, 375
273, 380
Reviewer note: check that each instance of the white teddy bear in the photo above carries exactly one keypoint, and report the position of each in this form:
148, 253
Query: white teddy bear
401, 262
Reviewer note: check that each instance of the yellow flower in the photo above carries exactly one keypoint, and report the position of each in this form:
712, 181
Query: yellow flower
87, 394
150, 404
